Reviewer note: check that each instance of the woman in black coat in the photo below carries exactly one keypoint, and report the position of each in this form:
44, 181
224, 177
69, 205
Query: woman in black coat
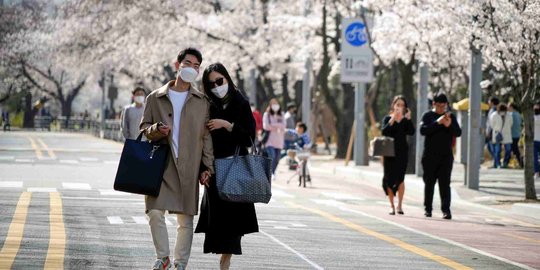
397, 125
231, 125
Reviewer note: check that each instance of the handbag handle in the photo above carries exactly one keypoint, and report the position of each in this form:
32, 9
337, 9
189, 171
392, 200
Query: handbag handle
139, 138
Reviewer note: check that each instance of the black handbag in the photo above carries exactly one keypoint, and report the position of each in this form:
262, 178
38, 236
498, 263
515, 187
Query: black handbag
141, 167
245, 179
382, 146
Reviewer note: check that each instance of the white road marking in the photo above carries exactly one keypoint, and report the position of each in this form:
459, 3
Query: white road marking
76, 186
88, 159
302, 256
280, 193
69, 161
342, 196
103, 199
7, 158
298, 225
111, 162
328, 202
140, 220
11, 184
41, 189
115, 220
112, 192
24, 160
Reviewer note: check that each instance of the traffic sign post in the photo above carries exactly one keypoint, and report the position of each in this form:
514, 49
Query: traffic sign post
357, 67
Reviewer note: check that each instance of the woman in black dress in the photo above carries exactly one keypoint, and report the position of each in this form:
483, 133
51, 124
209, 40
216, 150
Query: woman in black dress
231, 125
397, 125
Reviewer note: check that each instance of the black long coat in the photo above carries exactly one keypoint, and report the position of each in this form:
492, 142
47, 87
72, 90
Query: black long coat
395, 167
219, 216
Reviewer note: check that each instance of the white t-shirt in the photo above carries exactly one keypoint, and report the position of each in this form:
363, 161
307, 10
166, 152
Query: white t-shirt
177, 99
537, 128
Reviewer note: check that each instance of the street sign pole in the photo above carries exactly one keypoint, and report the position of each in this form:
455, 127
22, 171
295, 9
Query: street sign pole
357, 68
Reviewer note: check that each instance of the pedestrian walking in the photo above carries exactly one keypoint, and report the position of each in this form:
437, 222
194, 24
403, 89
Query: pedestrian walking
5, 121
537, 139
232, 128
177, 114
501, 125
493, 103
132, 114
397, 125
439, 126
516, 131
290, 116
274, 123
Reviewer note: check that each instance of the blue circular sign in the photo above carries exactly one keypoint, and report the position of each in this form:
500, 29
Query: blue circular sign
355, 34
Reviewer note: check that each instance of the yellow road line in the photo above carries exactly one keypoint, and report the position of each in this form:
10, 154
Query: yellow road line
57, 241
35, 147
414, 249
15, 233
522, 237
45, 147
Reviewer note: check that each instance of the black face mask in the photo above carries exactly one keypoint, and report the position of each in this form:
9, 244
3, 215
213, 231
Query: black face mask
536, 111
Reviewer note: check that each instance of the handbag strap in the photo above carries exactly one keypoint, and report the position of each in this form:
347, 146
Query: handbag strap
139, 138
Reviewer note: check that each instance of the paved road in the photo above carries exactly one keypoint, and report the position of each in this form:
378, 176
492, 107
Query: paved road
58, 210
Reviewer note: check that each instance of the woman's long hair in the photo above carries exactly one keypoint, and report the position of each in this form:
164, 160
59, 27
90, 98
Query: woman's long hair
269, 108
395, 100
207, 86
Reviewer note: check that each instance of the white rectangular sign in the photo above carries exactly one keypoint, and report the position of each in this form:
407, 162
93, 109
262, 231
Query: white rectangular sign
356, 54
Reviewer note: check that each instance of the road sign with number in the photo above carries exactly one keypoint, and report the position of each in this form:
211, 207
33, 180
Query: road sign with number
356, 54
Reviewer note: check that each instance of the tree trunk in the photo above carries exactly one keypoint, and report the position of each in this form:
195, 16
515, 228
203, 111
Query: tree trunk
345, 120
28, 120
285, 89
407, 80
528, 121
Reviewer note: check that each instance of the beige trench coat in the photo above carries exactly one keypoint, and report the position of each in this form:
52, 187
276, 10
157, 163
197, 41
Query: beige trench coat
179, 191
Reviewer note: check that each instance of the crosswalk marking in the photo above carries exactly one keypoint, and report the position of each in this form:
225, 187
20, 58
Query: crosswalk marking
11, 184
140, 220
41, 189
112, 192
111, 162
88, 159
24, 160
7, 158
280, 193
328, 202
115, 220
76, 186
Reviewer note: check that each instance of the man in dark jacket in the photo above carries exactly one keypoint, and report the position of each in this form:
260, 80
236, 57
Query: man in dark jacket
440, 127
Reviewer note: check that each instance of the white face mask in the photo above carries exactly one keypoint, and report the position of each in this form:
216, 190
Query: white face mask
139, 99
221, 90
187, 74
275, 107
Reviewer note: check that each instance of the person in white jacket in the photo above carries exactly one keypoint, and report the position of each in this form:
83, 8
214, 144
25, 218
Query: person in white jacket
501, 124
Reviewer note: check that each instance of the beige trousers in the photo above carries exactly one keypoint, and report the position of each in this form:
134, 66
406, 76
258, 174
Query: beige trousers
160, 236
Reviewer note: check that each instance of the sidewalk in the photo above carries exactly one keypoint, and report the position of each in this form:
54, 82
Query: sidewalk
500, 189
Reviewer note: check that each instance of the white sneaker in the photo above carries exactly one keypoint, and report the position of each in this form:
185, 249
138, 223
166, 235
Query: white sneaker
162, 264
273, 177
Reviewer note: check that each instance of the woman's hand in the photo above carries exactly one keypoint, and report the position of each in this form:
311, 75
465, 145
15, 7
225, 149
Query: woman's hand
408, 115
205, 178
218, 123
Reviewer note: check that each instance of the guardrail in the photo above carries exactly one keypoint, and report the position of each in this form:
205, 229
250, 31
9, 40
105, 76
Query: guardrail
111, 130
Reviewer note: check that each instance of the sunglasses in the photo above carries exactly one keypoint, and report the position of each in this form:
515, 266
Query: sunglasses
218, 82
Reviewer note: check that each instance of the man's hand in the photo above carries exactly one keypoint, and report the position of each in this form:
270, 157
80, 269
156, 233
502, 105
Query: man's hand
441, 120
164, 129
205, 178
218, 123
448, 120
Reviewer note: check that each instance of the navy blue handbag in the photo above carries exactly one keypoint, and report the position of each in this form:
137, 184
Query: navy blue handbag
245, 179
141, 167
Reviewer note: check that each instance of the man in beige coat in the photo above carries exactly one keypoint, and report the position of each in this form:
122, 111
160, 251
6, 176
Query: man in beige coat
176, 114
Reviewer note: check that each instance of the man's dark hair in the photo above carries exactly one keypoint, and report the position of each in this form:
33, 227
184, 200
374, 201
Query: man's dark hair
494, 100
302, 125
137, 89
182, 54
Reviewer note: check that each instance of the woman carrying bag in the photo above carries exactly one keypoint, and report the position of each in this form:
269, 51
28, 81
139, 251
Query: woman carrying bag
397, 125
232, 127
